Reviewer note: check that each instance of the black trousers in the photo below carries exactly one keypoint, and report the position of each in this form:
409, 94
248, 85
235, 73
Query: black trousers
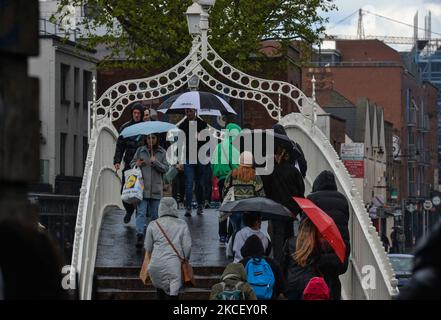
178, 187
223, 232
127, 206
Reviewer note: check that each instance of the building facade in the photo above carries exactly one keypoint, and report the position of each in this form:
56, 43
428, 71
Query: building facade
65, 72
371, 69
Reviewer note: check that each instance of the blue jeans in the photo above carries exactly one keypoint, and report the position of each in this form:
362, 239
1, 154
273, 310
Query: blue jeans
194, 173
236, 221
146, 211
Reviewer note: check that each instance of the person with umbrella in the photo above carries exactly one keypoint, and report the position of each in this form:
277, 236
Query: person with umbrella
194, 172
280, 186
125, 149
252, 225
302, 256
335, 205
295, 152
152, 160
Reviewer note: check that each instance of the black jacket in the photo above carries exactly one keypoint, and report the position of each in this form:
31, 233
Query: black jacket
185, 126
253, 248
297, 277
125, 147
284, 183
426, 279
327, 198
295, 151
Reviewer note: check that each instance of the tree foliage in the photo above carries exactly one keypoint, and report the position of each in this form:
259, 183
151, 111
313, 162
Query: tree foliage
154, 33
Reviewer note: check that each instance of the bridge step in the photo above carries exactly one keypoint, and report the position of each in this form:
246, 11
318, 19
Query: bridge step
134, 271
128, 283
150, 294
123, 283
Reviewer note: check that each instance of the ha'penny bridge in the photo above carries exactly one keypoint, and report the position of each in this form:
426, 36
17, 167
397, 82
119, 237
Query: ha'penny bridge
104, 257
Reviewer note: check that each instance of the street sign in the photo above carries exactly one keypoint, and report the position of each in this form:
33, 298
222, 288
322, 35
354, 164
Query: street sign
411, 208
436, 200
427, 205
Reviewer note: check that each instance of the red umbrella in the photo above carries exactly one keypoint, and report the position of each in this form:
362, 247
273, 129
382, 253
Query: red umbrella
325, 225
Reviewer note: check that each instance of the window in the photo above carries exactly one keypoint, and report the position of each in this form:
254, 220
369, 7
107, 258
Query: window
85, 148
75, 155
64, 84
87, 88
76, 87
44, 171
63, 138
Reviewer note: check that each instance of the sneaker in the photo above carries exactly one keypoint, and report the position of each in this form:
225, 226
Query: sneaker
127, 217
139, 241
200, 211
188, 212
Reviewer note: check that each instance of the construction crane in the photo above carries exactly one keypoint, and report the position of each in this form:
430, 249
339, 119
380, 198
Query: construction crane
399, 40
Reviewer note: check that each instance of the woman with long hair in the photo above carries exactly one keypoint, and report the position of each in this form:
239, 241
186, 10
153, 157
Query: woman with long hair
151, 159
245, 183
301, 259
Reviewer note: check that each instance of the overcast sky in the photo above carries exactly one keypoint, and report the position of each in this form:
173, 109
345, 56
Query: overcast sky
401, 10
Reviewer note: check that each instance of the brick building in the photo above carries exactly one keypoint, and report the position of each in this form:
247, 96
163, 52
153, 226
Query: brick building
371, 69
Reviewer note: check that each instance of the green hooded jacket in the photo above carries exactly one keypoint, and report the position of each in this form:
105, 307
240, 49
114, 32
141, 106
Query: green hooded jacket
233, 273
226, 157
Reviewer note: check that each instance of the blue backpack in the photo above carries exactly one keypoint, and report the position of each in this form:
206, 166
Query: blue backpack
260, 276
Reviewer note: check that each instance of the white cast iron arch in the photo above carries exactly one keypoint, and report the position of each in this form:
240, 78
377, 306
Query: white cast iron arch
101, 186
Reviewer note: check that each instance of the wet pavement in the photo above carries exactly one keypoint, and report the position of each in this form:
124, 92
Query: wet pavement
116, 244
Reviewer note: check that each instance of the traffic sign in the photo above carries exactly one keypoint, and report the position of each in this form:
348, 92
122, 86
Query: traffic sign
427, 205
411, 208
436, 200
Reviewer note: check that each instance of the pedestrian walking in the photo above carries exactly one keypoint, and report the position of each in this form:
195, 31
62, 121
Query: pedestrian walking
194, 172
280, 186
233, 285
244, 184
254, 252
302, 254
146, 115
334, 204
178, 186
152, 160
224, 159
253, 223
164, 268
316, 289
386, 243
125, 149
295, 152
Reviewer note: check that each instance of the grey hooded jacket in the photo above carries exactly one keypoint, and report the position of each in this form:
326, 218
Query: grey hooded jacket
165, 267
152, 173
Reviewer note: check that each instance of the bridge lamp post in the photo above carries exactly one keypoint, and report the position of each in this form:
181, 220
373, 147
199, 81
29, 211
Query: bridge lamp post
197, 20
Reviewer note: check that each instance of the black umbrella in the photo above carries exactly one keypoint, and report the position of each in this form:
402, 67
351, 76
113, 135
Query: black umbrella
268, 208
279, 140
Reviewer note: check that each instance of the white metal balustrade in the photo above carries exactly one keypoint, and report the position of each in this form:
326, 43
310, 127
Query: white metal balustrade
369, 275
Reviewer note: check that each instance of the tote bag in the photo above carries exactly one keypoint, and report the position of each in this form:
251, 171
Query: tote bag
134, 186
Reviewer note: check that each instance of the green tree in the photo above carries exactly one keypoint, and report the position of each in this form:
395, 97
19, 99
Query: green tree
154, 33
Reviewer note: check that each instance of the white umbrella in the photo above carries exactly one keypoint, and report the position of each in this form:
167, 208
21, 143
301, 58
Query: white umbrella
204, 103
